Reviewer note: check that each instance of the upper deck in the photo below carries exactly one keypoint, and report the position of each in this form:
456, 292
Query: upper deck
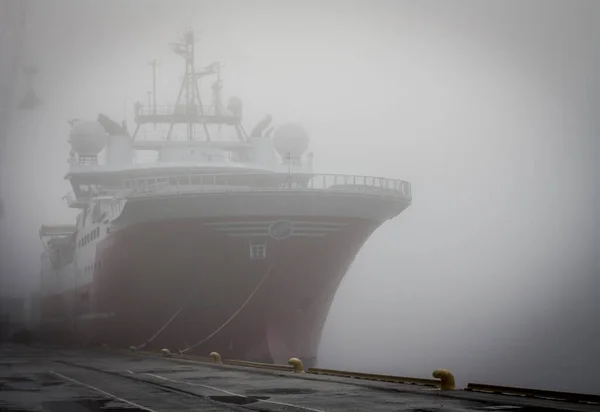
198, 148
169, 184
186, 114
273, 182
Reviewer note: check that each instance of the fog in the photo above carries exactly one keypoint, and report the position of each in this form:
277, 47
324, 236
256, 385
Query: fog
490, 109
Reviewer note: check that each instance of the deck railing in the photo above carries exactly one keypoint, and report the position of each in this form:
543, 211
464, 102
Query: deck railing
181, 110
266, 182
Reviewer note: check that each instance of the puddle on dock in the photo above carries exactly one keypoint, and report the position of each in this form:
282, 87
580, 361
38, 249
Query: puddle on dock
283, 391
80, 405
238, 400
17, 384
26, 384
211, 379
174, 369
5, 407
88, 405
512, 408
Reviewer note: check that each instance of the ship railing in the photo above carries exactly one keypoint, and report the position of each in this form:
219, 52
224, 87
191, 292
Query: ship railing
181, 110
86, 196
247, 182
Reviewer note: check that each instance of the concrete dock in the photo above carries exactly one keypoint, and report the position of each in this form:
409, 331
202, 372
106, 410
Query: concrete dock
39, 378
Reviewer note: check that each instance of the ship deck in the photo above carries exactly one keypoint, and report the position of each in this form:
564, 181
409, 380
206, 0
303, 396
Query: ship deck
51, 379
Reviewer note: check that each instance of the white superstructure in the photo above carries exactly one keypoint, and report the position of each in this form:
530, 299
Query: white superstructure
201, 149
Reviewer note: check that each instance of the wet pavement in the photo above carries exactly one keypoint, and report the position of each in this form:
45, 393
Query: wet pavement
43, 379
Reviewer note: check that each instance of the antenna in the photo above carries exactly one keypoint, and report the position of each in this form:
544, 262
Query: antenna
217, 86
188, 109
153, 64
188, 85
125, 109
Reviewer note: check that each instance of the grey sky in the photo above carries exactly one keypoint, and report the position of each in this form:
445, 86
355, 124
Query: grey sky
490, 109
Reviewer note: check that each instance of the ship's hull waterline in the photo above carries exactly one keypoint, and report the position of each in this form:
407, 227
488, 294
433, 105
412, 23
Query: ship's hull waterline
199, 275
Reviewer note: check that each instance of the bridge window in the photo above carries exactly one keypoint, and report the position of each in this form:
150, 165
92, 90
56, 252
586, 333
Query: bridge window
258, 251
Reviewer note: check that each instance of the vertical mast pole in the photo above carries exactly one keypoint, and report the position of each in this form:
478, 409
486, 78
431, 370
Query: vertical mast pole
154, 86
154, 90
190, 80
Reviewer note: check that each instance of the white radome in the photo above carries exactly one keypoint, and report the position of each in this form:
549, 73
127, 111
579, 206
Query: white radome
87, 138
291, 140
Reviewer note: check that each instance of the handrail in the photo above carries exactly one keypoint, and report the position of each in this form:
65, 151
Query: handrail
253, 182
181, 110
57, 230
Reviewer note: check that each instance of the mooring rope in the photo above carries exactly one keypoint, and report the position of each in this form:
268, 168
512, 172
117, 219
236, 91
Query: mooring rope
185, 302
232, 316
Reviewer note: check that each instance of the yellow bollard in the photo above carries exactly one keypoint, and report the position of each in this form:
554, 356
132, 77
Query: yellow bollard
297, 364
447, 379
166, 352
216, 358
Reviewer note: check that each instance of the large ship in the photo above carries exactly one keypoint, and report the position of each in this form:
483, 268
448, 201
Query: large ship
198, 236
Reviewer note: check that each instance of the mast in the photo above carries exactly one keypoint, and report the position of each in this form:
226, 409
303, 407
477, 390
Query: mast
188, 109
153, 64
188, 85
13, 18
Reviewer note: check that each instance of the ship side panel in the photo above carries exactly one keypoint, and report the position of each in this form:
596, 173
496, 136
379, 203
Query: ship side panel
251, 275
196, 276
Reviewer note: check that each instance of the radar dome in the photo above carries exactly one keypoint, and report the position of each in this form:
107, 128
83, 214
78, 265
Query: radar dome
291, 140
88, 138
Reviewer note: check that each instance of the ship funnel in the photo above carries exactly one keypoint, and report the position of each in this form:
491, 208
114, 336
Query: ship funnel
291, 141
119, 150
110, 126
261, 126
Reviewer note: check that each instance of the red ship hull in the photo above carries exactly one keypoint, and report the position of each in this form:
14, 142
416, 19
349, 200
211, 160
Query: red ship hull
173, 283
